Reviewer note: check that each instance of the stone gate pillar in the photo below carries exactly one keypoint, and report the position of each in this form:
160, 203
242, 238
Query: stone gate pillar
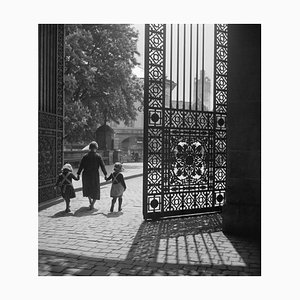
242, 212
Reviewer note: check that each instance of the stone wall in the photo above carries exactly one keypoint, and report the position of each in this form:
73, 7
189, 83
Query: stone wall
242, 212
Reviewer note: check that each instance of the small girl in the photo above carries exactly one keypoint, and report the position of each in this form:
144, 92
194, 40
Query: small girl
65, 182
118, 186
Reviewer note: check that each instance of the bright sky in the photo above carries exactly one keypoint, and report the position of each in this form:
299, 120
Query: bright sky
141, 43
190, 60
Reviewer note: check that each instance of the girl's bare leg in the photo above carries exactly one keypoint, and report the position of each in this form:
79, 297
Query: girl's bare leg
113, 201
120, 203
67, 200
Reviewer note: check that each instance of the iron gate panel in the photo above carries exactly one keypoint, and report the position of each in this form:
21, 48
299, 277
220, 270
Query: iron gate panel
51, 101
185, 146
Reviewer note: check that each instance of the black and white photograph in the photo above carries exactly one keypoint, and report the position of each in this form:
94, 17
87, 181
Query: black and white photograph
144, 165
149, 150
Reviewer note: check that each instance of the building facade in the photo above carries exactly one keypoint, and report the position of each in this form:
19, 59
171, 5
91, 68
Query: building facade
128, 139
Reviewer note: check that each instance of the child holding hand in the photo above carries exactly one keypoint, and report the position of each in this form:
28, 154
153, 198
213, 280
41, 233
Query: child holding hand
64, 181
118, 186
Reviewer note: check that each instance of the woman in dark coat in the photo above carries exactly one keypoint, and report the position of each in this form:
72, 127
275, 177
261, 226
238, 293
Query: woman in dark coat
90, 164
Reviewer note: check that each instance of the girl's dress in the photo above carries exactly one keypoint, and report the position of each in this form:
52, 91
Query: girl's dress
65, 182
118, 184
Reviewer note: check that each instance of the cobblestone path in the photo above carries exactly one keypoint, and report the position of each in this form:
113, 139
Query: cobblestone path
100, 243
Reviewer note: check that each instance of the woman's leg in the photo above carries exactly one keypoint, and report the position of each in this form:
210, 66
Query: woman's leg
120, 203
93, 203
90, 201
113, 201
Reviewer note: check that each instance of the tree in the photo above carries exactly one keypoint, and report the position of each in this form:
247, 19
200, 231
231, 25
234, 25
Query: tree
99, 84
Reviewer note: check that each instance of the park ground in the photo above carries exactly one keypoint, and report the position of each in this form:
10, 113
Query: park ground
100, 243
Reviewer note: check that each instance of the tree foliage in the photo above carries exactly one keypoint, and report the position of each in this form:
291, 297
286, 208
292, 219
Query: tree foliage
99, 83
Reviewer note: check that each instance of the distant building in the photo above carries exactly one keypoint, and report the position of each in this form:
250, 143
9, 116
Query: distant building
169, 88
105, 137
207, 93
197, 94
129, 139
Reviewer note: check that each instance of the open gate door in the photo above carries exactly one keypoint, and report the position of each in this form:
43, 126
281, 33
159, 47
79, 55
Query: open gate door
51, 99
185, 119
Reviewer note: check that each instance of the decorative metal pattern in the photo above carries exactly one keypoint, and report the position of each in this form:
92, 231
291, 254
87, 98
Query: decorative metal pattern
221, 54
185, 149
154, 106
51, 98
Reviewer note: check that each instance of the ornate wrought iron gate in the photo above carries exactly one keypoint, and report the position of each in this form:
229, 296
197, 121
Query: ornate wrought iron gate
51, 97
185, 128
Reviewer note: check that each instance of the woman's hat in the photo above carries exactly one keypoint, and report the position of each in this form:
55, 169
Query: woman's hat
118, 167
67, 167
93, 145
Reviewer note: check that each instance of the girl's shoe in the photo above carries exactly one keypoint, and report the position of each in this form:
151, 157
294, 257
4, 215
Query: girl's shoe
68, 210
120, 209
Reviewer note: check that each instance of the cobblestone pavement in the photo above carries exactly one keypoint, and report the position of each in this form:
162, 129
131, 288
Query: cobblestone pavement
100, 243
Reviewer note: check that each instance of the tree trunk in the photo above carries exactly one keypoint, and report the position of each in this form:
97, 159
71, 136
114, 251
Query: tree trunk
105, 121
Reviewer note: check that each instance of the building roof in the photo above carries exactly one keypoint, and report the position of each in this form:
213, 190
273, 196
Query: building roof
106, 128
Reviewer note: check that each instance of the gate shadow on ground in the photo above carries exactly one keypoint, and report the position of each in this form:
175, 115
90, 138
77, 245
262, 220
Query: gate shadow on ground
56, 263
148, 243
194, 241
196, 245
